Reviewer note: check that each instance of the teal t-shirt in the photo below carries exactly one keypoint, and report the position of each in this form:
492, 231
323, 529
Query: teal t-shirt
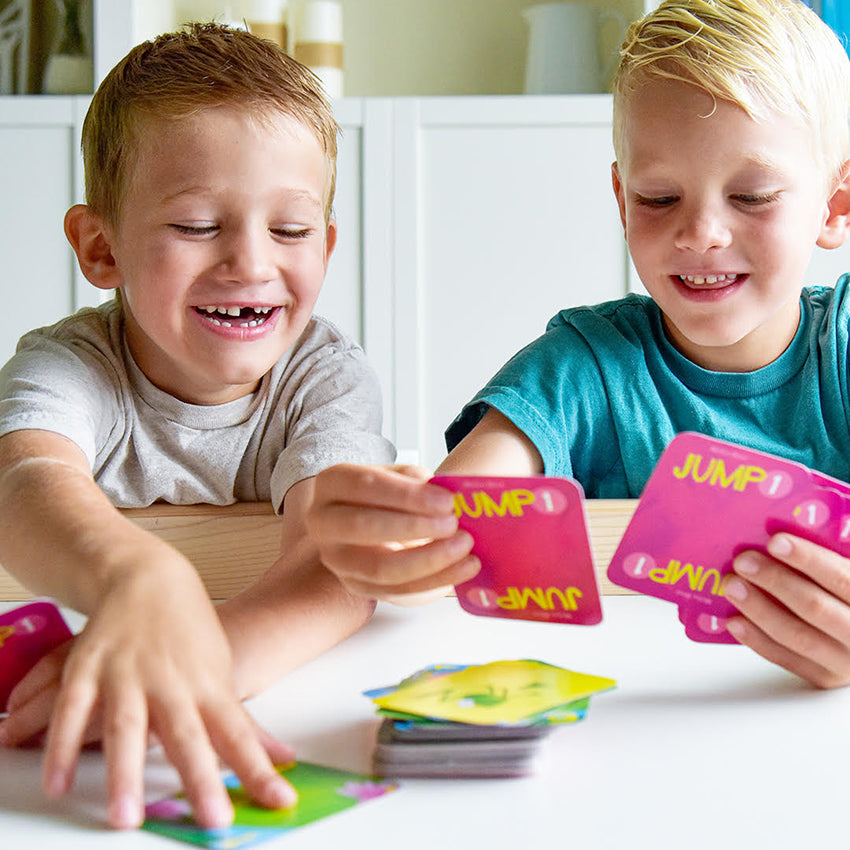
603, 392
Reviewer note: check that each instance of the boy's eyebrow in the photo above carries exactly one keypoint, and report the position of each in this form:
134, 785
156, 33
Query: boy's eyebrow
764, 164
292, 194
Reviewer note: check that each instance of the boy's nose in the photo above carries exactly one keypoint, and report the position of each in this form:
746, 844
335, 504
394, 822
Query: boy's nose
702, 228
249, 256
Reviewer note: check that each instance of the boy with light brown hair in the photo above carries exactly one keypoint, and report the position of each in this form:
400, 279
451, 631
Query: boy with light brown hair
731, 138
210, 163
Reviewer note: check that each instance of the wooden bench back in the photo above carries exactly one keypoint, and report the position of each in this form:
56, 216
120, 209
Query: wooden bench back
232, 545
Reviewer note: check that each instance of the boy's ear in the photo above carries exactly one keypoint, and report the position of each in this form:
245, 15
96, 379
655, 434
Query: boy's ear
89, 237
619, 191
836, 228
330, 240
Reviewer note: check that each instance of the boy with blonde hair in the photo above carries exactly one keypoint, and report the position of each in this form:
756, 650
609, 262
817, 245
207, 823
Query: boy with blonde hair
210, 164
730, 131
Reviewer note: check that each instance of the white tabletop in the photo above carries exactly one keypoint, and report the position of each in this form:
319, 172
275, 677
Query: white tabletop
699, 746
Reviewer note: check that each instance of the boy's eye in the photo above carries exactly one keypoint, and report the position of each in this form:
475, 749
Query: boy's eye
755, 200
195, 229
292, 232
655, 200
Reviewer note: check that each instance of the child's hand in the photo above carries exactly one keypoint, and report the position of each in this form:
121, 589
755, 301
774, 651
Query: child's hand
798, 618
385, 532
152, 657
31, 704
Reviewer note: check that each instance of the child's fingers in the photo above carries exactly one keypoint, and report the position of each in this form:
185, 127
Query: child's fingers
125, 725
30, 718
389, 567
825, 567
74, 706
456, 574
810, 589
400, 489
781, 636
749, 634
373, 526
45, 673
181, 731
234, 736
811, 603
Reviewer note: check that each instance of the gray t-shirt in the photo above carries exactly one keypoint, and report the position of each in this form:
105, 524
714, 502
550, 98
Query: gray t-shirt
319, 405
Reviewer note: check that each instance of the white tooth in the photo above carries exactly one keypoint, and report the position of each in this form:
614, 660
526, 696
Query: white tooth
252, 324
711, 279
234, 311
216, 322
226, 325
209, 309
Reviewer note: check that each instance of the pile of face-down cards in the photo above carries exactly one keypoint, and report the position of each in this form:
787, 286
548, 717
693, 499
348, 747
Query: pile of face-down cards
476, 721
708, 500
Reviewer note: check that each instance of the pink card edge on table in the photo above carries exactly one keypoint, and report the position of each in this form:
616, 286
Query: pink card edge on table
39, 617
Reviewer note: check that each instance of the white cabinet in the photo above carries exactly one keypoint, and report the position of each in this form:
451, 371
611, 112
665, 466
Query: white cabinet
464, 224
504, 215
39, 138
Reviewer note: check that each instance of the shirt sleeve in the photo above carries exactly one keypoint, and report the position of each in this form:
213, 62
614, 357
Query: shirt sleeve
51, 385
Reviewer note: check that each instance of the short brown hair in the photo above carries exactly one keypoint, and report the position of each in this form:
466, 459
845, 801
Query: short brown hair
179, 74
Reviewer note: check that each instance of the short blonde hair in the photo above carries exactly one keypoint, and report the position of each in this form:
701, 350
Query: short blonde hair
179, 74
762, 55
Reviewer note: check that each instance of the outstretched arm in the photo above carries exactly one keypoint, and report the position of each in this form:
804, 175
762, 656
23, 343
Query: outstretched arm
294, 611
152, 656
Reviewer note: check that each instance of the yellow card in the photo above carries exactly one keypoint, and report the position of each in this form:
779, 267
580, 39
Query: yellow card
488, 694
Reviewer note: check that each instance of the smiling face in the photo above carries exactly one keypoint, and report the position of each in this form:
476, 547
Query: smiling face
220, 249
721, 214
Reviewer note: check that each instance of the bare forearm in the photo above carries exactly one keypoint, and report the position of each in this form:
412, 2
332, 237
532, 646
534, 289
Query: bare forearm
292, 614
58, 533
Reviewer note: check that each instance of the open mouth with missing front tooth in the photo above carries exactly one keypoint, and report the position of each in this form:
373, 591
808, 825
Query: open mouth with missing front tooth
709, 279
228, 317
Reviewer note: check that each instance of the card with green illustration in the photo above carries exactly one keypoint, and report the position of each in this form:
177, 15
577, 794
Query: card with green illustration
322, 791
513, 692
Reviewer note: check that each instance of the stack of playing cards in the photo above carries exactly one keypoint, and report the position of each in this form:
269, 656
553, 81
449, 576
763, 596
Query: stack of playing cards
408, 748
476, 721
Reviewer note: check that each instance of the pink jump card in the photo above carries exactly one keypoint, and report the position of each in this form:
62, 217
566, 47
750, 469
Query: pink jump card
531, 537
708, 500
26, 634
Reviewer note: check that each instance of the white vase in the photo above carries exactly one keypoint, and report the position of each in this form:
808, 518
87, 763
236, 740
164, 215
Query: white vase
66, 74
